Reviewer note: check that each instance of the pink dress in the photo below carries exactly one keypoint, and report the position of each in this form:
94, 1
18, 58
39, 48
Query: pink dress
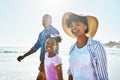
50, 64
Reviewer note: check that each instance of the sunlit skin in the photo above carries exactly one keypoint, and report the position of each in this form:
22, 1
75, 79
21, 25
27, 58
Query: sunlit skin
51, 46
78, 29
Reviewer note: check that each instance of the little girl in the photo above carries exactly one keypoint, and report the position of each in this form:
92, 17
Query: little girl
53, 64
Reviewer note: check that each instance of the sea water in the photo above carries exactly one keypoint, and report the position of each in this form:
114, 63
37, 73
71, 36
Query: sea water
27, 69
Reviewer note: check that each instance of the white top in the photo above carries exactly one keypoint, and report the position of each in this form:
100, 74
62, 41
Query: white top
80, 66
50, 64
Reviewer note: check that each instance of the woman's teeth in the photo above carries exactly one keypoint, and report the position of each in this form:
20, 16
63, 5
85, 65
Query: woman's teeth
75, 31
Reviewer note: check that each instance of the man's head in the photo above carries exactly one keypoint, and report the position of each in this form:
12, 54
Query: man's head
46, 21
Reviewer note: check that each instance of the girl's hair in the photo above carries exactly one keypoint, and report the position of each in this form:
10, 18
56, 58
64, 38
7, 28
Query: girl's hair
76, 18
57, 38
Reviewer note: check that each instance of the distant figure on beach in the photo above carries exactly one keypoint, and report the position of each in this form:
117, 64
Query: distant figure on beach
87, 57
53, 63
48, 29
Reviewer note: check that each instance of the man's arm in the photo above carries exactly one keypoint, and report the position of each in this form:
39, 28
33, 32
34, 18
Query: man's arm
25, 55
70, 77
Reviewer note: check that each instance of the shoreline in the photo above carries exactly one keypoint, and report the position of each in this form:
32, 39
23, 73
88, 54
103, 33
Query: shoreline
28, 69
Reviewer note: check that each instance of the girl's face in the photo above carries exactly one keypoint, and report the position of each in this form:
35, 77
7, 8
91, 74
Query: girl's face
78, 28
51, 45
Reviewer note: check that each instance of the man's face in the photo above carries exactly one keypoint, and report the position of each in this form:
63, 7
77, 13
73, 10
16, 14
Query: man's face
46, 22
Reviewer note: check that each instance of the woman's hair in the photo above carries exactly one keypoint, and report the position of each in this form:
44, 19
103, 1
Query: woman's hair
57, 38
77, 18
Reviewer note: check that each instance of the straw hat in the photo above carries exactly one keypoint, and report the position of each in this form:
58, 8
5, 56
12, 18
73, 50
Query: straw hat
92, 25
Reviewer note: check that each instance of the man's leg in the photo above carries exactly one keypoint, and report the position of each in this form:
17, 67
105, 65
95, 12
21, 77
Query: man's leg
41, 74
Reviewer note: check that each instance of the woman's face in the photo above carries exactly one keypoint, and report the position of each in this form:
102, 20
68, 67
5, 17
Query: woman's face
51, 45
78, 28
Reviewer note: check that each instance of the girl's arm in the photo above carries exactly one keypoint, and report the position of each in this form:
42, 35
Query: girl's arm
70, 77
59, 72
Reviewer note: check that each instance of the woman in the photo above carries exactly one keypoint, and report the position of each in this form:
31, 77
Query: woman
87, 60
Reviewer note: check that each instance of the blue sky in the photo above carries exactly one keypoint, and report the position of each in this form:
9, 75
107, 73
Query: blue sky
20, 20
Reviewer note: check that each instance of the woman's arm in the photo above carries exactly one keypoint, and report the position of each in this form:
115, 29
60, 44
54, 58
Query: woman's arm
101, 62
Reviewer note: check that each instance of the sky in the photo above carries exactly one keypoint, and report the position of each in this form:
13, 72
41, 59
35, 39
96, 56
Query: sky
21, 20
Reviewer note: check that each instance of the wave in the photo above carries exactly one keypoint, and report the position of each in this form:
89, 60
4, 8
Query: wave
6, 60
12, 50
112, 51
6, 51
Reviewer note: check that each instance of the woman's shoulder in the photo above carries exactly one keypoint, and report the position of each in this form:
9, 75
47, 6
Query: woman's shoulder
93, 41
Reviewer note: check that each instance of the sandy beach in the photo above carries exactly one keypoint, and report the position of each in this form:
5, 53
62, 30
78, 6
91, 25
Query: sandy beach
113, 66
11, 69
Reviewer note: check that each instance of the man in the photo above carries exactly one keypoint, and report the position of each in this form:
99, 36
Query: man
48, 29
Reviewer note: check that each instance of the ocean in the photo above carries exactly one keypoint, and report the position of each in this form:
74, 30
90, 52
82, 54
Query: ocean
27, 69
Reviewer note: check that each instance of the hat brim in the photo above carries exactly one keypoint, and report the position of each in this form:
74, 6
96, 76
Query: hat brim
92, 25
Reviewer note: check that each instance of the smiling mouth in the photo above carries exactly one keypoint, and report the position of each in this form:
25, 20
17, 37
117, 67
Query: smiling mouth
74, 31
48, 48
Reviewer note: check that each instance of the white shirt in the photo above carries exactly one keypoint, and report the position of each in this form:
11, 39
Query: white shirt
80, 66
